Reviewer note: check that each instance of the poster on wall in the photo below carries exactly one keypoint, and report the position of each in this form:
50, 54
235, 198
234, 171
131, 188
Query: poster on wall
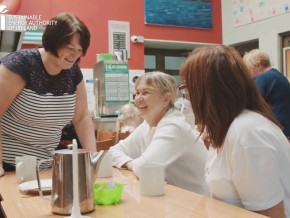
116, 77
249, 11
184, 13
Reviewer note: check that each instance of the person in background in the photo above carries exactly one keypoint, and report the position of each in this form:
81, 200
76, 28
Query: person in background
273, 85
68, 133
42, 90
163, 137
129, 118
184, 106
249, 156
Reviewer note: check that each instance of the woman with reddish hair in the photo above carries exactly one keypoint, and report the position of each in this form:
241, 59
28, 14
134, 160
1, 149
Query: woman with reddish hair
249, 156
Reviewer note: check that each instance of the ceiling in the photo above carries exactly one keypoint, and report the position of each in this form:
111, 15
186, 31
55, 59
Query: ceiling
177, 45
172, 45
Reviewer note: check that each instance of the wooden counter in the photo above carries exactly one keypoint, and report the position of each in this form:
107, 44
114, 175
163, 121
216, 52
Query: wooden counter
175, 203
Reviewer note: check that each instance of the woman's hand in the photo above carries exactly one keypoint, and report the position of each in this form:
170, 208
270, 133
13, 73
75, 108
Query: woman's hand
129, 165
1, 171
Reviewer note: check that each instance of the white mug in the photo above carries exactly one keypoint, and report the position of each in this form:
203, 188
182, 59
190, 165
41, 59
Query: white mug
25, 167
152, 179
105, 168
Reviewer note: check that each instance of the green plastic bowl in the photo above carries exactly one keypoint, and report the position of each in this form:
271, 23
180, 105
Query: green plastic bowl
105, 196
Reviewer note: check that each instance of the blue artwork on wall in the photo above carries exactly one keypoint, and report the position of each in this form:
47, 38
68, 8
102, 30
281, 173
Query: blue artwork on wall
186, 13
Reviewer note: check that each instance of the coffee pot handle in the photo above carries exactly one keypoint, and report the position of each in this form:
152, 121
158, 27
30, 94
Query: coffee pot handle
38, 174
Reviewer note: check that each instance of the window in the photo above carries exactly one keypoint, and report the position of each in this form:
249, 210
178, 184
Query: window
173, 63
150, 62
167, 61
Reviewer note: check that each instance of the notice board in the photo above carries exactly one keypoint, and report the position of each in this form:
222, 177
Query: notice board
116, 82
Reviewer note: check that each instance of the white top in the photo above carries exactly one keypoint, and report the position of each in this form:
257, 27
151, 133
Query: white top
172, 142
252, 169
127, 128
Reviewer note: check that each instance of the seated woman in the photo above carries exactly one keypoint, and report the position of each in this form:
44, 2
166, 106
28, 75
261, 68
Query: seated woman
129, 119
163, 137
249, 156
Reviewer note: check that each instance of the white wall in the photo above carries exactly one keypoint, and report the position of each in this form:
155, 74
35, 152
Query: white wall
267, 31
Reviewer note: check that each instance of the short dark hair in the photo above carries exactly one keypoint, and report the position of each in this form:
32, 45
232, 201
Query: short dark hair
61, 30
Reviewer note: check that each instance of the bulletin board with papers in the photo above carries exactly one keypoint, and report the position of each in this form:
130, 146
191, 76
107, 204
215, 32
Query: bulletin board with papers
116, 82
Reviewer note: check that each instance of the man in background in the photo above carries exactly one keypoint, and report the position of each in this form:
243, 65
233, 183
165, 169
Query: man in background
273, 85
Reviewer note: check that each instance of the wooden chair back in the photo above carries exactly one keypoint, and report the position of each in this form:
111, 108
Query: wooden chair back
104, 135
106, 139
105, 144
123, 135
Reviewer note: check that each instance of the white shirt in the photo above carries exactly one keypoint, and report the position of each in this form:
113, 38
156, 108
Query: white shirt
252, 168
172, 142
127, 128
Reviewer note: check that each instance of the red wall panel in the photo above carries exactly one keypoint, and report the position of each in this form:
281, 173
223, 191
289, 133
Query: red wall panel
96, 13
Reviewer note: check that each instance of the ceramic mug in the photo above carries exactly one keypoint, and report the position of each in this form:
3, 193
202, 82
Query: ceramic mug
152, 179
25, 167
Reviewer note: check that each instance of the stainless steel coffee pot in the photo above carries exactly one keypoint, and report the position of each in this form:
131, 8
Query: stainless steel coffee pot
62, 180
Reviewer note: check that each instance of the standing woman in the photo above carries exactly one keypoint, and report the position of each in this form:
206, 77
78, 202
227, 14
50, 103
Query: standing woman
42, 90
163, 137
249, 156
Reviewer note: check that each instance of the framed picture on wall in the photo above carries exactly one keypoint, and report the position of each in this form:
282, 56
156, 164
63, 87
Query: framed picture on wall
183, 13
286, 62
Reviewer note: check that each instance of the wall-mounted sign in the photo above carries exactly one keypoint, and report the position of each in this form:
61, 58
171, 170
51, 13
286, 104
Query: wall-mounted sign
119, 36
116, 81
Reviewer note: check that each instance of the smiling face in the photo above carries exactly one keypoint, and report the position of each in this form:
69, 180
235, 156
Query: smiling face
69, 53
151, 103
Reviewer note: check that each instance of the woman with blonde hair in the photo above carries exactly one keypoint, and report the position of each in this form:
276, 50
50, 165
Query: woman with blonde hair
163, 137
249, 156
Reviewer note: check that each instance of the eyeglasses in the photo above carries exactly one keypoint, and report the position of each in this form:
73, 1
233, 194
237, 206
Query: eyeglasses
183, 89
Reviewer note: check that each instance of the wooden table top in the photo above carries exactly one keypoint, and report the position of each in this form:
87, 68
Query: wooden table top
9, 186
175, 202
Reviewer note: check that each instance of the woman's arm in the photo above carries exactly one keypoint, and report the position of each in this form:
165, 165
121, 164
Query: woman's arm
128, 149
11, 85
82, 120
274, 212
1, 166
